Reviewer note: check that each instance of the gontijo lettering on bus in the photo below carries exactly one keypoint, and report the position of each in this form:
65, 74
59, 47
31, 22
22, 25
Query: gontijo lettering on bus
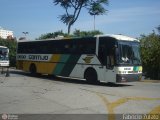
34, 57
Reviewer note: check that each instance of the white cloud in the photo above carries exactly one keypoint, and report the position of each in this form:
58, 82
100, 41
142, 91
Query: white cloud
128, 14
119, 15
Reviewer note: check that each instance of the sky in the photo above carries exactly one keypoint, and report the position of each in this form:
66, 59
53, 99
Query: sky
128, 17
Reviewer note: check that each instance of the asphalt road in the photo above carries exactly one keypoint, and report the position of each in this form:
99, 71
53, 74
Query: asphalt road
23, 94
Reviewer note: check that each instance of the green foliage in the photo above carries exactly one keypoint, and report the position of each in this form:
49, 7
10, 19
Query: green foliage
97, 7
73, 8
11, 44
150, 52
52, 35
76, 33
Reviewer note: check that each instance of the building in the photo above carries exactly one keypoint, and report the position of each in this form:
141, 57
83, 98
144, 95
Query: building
5, 33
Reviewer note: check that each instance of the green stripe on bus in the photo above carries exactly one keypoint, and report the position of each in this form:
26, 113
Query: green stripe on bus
59, 67
70, 64
135, 68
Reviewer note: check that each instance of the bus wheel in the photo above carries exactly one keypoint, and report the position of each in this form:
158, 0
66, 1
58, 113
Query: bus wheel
91, 76
32, 69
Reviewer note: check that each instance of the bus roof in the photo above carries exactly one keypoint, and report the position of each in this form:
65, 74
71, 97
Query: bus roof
119, 37
3, 47
116, 36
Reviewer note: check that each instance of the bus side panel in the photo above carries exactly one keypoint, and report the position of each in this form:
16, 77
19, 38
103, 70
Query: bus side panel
26, 65
51, 65
66, 64
19, 64
41, 67
85, 62
45, 67
60, 65
70, 64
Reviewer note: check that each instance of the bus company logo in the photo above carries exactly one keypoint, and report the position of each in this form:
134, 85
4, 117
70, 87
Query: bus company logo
87, 59
4, 116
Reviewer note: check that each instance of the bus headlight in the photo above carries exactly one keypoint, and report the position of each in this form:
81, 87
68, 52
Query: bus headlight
122, 72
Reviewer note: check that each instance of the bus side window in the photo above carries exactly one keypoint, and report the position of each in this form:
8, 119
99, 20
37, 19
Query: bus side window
108, 62
102, 52
110, 56
110, 59
106, 53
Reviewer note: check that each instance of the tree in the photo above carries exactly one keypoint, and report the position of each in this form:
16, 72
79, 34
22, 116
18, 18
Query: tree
78, 33
74, 7
52, 35
97, 9
150, 53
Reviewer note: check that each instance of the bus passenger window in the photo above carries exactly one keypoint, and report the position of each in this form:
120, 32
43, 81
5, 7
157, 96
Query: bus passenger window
101, 55
106, 53
111, 58
112, 54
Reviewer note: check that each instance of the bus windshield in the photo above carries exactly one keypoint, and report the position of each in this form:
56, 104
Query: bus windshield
129, 53
3, 54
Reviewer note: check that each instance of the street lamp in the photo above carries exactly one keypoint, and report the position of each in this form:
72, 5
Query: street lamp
25, 33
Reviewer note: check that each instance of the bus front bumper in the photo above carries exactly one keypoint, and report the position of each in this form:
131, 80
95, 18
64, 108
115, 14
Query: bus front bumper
128, 77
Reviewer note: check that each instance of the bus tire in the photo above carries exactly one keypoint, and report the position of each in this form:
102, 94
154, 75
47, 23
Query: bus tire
91, 76
33, 69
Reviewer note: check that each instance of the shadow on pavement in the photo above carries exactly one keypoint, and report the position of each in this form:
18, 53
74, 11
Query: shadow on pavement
69, 80
18, 72
78, 81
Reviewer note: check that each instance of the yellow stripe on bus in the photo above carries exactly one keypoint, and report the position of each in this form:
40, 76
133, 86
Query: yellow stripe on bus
43, 67
49, 67
55, 58
140, 68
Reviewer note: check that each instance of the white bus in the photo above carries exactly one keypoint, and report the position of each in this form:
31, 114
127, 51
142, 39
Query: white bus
4, 59
104, 58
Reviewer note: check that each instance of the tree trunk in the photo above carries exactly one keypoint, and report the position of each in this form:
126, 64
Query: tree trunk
94, 23
69, 28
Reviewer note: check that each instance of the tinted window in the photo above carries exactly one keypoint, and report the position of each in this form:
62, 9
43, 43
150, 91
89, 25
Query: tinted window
106, 52
73, 46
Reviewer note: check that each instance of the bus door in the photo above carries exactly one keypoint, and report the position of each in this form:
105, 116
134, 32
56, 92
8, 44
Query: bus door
110, 72
106, 55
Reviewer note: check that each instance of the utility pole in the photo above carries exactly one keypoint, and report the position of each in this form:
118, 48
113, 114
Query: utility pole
94, 23
25, 33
